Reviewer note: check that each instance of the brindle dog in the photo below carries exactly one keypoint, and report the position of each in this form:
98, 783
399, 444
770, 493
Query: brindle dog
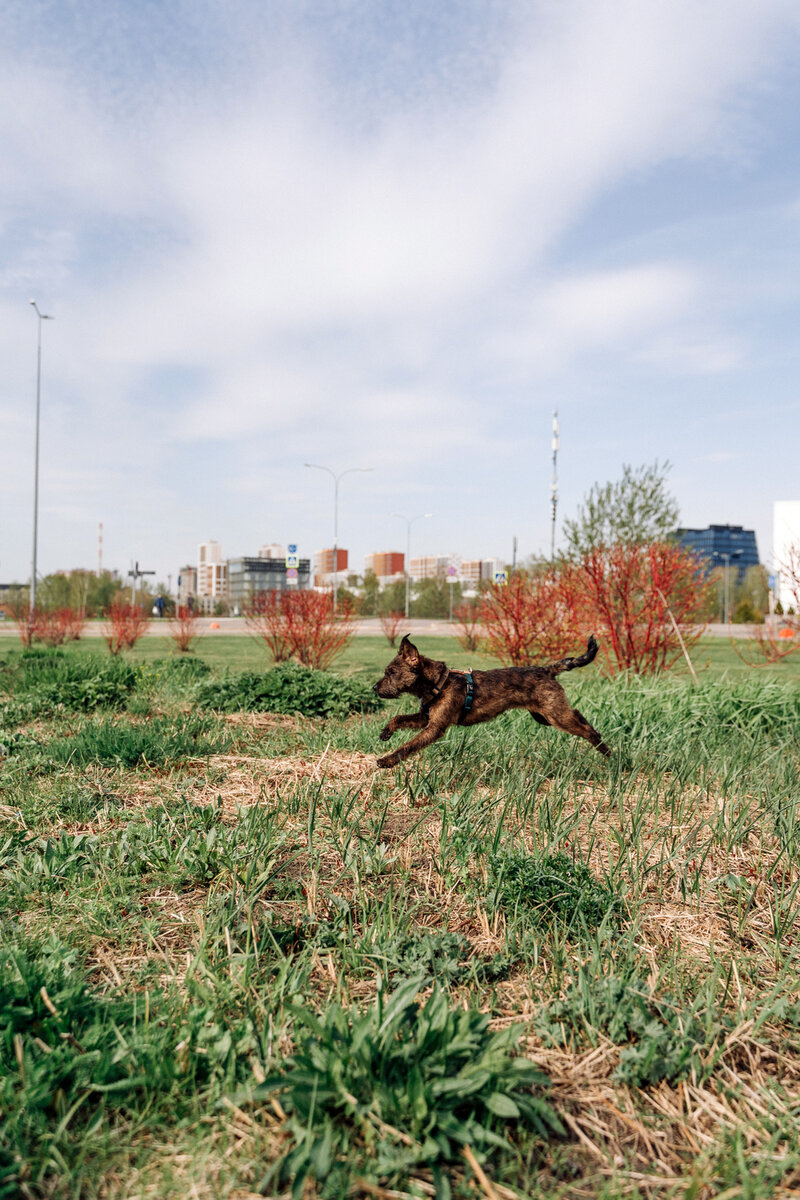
458, 698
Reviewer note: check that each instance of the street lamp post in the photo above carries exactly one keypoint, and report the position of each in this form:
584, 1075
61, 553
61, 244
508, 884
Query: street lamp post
41, 317
336, 478
409, 522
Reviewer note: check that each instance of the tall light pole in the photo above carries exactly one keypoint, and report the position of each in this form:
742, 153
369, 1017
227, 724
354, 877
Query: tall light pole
41, 317
554, 489
336, 478
409, 522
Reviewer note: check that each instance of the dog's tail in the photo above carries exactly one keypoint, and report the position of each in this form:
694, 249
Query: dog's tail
569, 664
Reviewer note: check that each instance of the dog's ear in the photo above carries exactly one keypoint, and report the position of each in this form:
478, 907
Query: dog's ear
408, 649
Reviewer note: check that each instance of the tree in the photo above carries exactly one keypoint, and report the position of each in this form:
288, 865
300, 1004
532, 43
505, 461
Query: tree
370, 594
635, 511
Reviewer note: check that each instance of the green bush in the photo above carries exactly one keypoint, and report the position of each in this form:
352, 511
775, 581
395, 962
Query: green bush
288, 688
74, 1062
551, 888
374, 1094
45, 681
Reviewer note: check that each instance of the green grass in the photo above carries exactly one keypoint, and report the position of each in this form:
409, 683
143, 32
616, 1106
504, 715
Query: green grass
235, 958
367, 656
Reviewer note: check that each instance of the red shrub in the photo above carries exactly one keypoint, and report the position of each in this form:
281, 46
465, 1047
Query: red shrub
393, 624
59, 625
183, 627
302, 625
628, 593
533, 618
772, 641
467, 617
125, 624
52, 626
264, 616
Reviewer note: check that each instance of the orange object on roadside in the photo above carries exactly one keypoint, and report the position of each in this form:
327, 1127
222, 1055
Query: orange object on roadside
214, 625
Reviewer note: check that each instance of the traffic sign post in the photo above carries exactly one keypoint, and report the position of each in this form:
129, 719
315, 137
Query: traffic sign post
292, 564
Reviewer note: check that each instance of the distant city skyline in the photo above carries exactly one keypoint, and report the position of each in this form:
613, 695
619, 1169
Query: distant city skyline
397, 237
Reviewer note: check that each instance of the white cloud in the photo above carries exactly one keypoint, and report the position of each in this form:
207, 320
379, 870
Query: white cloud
334, 279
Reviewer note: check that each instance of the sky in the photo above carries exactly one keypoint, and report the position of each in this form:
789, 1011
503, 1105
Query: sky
393, 235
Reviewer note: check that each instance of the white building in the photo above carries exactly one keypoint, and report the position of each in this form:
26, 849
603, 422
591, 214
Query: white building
212, 574
785, 536
476, 569
432, 566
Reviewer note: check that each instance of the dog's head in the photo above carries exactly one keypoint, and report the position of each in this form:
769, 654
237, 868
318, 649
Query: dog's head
402, 673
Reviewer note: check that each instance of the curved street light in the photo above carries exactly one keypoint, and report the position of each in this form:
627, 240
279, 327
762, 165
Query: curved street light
409, 522
336, 478
41, 317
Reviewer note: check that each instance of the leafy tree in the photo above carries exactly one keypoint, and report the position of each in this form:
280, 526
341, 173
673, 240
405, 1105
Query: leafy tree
369, 594
636, 510
393, 597
432, 598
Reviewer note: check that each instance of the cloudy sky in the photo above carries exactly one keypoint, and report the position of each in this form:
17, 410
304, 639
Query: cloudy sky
392, 234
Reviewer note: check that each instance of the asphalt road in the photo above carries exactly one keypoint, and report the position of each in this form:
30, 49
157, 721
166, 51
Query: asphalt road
370, 627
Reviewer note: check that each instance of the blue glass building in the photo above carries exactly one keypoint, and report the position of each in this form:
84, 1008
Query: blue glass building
722, 546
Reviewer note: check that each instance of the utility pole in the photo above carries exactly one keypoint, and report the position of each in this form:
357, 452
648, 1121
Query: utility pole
137, 575
41, 317
554, 489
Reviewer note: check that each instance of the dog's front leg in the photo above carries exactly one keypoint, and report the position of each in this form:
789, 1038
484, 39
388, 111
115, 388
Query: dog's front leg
431, 733
404, 721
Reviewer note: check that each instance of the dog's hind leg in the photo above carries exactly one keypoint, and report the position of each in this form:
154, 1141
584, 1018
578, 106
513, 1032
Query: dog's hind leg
568, 719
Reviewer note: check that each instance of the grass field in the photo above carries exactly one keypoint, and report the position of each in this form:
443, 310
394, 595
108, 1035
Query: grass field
237, 961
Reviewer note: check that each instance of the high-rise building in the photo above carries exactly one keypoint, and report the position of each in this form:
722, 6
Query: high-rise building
722, 546
212, 574
386, 565
474, 570
249, 577
431, 566
324, 567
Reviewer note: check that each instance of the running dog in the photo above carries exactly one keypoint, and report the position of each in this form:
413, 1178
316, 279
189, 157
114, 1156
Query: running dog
449, 697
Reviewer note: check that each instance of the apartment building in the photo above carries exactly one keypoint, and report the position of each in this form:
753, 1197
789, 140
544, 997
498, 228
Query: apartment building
387, 565
212, 575
432, 566
325, 565
474, 570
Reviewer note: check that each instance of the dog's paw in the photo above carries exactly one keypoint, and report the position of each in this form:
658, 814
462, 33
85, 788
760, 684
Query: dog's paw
388, 760
386, 733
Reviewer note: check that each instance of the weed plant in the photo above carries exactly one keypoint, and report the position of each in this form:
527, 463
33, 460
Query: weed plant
283, 969
155, 742
402, 1085
288, 688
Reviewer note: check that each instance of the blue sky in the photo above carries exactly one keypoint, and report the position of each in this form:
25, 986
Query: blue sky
397, 236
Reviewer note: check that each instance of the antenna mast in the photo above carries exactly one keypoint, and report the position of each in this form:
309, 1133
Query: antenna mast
554, 488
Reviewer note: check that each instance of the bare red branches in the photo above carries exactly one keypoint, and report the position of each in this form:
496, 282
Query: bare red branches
532, 618
300, 625
183, 627
125, 624
779, 636
50, 626
393, 624
467, 617
628, 593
